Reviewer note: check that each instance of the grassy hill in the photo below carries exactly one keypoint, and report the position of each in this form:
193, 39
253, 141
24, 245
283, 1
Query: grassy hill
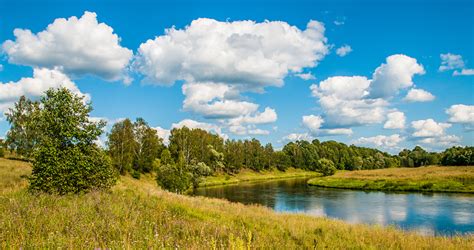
137, 214
425, 179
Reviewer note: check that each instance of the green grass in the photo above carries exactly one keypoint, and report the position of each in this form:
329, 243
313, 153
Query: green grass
249, 175
423, 179
137, 214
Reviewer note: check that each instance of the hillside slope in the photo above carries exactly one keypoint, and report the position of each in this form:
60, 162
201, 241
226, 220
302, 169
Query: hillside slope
136, 213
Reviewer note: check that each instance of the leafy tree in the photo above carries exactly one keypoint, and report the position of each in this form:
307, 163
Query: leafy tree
326, 167
149, 146
121, 144
23, 134
458, 156
66, 157
166, 157
282, 160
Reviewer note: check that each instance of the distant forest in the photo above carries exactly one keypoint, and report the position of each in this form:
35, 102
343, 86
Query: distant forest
58, 127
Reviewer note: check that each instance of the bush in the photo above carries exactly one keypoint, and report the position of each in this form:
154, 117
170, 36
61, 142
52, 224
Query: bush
326, 167
71, 170
174, 178
66, 158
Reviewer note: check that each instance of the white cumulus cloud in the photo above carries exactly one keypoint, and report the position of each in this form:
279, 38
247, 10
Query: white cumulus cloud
395, 120
429, 128
381, 140
250, 54
78, 46
314, 123
451, 61
343, 50
42, 80
419, 95
396, 74
463, 114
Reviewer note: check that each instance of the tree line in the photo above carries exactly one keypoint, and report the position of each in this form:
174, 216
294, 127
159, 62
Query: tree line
57, 134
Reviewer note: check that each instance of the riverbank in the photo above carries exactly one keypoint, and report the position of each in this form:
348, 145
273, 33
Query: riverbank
248, 176
422, 179
138, 214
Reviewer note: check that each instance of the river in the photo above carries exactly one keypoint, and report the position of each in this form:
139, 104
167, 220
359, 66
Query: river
426, 213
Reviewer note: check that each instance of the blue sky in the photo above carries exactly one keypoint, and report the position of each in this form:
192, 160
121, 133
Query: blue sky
402, 40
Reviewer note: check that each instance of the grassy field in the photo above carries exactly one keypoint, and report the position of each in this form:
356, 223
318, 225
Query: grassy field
425, 179
137, 214
248, 175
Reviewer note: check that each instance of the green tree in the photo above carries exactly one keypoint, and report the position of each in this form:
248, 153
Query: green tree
23, 134
326, 167
149, 146
121, 145
2, 150
66, 157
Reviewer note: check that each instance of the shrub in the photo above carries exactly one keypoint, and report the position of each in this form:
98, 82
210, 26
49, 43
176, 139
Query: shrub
326, 167
66, 158
174, 178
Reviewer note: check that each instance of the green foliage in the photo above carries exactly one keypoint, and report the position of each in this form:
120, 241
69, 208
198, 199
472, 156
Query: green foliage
134, 146
23, 134
66, 158
326, 167
458, 156
121, 145
282, 160
417, 157
2, 150
174, 178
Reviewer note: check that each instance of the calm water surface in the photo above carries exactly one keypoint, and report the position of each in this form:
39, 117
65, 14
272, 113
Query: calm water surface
431, 214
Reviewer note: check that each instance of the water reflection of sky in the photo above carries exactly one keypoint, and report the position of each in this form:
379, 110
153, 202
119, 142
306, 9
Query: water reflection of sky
426, 213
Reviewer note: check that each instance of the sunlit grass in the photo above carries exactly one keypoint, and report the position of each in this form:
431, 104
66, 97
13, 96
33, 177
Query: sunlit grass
137, 214
427, 179
249, 175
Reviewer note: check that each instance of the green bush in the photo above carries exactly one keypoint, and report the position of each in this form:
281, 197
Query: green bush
174, 178
326, 167
66, 158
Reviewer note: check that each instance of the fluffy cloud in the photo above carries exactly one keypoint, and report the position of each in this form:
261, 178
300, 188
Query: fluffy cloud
419, 95
442, 141
343, 50
269, 115
314, 123
463, 114
78, 46
343, 101
395, 120
42, 80
219, 61
252, 55
451, 61
396, 74
306, 76
381, 140
356, 100
429, 128
464, 72
215, 100
454, 62
297, 137
247, 130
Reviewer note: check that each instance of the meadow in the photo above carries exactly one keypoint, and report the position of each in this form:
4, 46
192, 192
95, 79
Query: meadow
138, 214
424, 179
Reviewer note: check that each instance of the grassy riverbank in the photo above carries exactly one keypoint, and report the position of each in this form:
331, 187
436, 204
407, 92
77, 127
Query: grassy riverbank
137, 214
248, 175
424, 179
